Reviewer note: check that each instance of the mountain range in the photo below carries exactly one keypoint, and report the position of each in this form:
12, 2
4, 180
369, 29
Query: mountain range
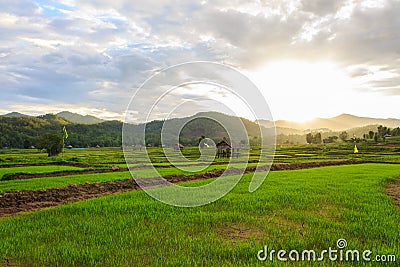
342, 122
69, 116
339, 123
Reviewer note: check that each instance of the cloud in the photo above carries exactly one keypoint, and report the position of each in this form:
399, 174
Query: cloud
321, 7
95, 53
19, 8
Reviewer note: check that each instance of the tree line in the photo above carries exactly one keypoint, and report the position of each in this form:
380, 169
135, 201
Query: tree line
381, 134
26, 132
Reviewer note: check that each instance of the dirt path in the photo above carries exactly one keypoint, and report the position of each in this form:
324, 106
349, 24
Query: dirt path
28, 200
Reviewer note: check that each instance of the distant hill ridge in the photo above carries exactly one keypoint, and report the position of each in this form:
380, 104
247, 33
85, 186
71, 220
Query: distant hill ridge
77, 118
67, 115
15, 114
339, 123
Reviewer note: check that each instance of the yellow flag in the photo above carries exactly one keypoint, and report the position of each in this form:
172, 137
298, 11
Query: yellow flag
355, 149
65, 132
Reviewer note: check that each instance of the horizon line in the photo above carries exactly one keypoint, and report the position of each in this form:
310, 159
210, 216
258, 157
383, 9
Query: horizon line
123, 115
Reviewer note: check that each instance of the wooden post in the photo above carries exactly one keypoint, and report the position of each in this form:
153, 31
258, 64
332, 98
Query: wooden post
63, 144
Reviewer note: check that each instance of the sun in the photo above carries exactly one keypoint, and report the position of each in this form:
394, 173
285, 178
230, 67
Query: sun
300, 91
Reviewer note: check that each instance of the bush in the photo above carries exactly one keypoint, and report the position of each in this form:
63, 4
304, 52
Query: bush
52, 143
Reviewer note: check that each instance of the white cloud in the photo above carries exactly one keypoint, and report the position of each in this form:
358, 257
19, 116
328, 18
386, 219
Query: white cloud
95, 53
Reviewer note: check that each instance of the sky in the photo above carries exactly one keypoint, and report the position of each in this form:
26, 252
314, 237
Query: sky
308, 59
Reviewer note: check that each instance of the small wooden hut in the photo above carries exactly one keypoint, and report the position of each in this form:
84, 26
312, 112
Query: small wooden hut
223, 149
178, 147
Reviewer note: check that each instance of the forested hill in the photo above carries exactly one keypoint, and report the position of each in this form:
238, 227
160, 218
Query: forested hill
24, 131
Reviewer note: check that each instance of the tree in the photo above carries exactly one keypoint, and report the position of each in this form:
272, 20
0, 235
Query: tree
371, 134
376, 137
395, 131
314, 139
330, 139
201, 139
343, 136
53, 143
309, 138
317, 138
382, 130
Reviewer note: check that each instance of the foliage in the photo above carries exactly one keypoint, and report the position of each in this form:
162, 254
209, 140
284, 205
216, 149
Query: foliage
371, 134
382, 133
24, 132
343, 136
330, 139
52, 143
314, 139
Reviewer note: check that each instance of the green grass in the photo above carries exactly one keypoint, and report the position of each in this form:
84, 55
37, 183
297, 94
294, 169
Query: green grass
304, 209
36, 169
97, 157
61, 181
91, 156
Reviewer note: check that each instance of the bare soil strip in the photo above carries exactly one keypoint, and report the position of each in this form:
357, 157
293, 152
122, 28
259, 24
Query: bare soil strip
393, 190
23, 176
74, 164
28, 200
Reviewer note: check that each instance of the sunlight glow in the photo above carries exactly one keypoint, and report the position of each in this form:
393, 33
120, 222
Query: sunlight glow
302, 90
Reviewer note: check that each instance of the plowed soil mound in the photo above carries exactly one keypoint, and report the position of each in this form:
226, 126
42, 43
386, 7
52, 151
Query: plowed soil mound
14, 202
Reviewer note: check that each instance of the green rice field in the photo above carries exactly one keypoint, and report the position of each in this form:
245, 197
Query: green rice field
308, 209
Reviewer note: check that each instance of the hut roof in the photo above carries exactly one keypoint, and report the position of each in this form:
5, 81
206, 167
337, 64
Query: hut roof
223, 144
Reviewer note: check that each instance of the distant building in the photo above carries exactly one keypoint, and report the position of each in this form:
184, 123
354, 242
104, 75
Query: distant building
223, 149
137, 146
178, 147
